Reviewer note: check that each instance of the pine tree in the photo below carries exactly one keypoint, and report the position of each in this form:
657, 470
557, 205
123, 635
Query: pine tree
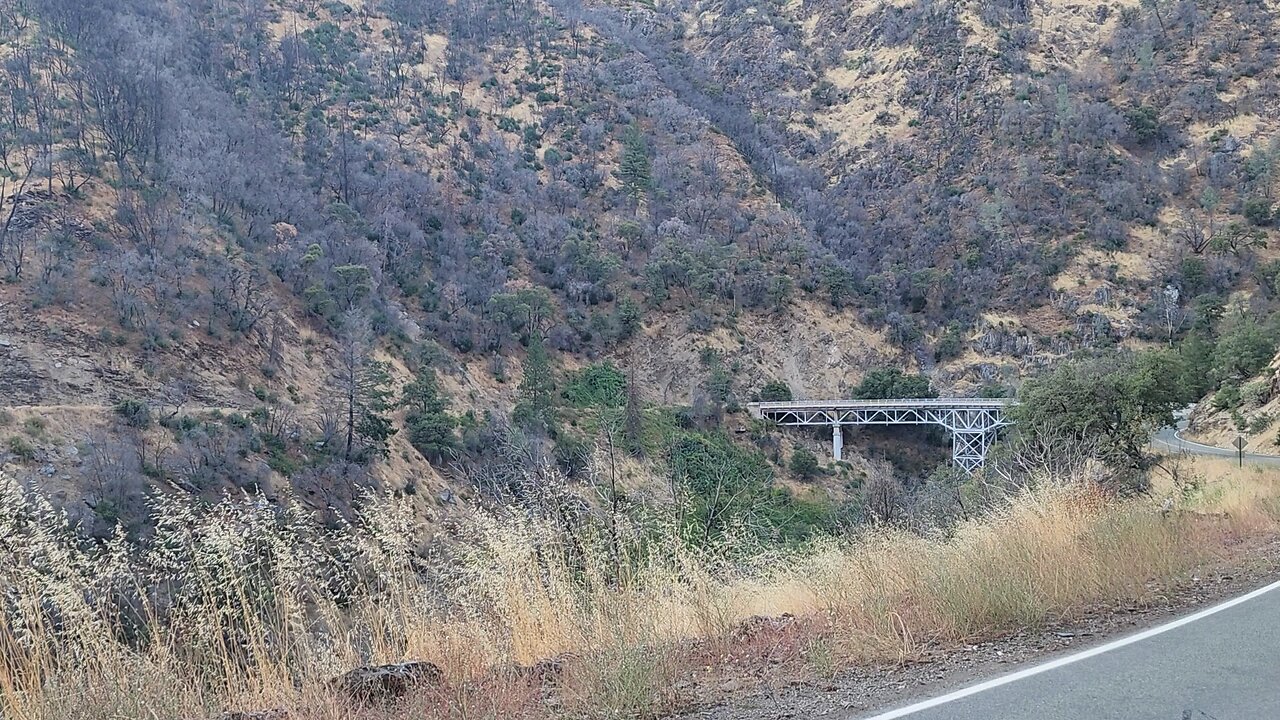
363, 385
634, 168
428, 420
373, 426
537, 390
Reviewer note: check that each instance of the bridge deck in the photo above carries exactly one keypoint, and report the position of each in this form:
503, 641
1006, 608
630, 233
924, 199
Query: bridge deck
759, 408
972, 422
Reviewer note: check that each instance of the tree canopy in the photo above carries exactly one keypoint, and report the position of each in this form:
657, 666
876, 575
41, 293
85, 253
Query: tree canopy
1115, 402
890, 383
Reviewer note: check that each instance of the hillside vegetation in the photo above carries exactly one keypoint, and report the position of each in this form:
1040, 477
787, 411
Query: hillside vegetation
258, 612
336, 333
288, 211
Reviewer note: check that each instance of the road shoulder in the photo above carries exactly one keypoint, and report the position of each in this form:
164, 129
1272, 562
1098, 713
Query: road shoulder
864, 691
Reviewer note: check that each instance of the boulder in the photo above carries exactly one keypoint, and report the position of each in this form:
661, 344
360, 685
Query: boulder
757, 625
273, 714
544, 673
382, 683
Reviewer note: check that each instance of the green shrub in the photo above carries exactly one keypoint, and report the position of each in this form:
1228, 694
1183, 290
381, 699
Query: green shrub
1195, 276
1258, 211
572, 455
804, 464
1255, 393
1227, 397
21, 448
775, 391
135, 413
34, 426
994, 390
950, 345
726, 488
889, 383
1258, 423
597, 385
720, 384
280, 461
1144, 121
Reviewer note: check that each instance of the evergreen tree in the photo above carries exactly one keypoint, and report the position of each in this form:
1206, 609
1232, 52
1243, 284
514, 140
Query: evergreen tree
634, 169
890, 383
363, 386
1196, 371
373, 426
1244, 348
535, 408
428, 421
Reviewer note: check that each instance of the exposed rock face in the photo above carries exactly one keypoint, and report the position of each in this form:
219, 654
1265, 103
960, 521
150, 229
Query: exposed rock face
380, 683
1005, 341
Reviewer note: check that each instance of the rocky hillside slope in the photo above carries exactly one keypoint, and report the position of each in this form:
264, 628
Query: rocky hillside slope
220, 209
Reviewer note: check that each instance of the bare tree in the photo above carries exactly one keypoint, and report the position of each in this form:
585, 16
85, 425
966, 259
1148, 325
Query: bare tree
1171, 312
1041, 458
242, 294
882, 494
1192, 230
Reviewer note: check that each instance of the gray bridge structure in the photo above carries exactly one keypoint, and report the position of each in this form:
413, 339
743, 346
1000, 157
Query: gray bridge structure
972, 422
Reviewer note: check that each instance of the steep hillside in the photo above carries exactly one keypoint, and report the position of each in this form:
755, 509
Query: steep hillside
255, 222
1248, 408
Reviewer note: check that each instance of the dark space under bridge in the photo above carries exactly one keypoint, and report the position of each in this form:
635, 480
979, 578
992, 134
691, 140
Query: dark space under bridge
972, 422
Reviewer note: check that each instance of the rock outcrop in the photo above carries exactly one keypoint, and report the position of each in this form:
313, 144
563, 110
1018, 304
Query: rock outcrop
383, 683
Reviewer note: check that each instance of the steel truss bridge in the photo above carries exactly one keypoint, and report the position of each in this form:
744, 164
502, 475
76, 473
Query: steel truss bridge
972, 422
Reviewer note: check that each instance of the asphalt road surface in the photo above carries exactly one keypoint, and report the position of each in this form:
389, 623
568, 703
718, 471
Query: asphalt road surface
1172, 440
1221, 663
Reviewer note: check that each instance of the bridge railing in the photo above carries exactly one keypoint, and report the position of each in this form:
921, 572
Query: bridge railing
972, 422
759, 408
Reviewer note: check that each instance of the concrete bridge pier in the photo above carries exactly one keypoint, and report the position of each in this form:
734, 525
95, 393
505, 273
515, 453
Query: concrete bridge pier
837, 441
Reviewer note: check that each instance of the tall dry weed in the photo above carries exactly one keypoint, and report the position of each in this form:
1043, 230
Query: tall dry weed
243, 604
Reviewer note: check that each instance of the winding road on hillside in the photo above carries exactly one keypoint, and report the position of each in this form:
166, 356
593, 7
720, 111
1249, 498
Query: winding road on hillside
1171, 439
1221, 663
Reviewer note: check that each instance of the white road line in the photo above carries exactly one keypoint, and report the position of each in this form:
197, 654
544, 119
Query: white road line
1177, 434
1077, 657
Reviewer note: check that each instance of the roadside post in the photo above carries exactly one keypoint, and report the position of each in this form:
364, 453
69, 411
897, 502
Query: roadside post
1240, 443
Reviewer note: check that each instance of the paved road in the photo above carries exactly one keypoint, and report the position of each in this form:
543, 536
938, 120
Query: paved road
1171, 439
1221, 663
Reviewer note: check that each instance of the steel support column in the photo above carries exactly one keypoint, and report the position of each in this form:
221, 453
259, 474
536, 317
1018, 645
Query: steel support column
972, 422
969, 449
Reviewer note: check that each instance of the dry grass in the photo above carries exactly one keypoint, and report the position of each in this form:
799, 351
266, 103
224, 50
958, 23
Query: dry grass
238, 607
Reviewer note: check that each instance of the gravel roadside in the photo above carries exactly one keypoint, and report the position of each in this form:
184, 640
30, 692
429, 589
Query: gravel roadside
785, 692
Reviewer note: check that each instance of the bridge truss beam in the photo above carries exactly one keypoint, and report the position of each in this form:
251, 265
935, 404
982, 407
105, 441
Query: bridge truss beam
973, 423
